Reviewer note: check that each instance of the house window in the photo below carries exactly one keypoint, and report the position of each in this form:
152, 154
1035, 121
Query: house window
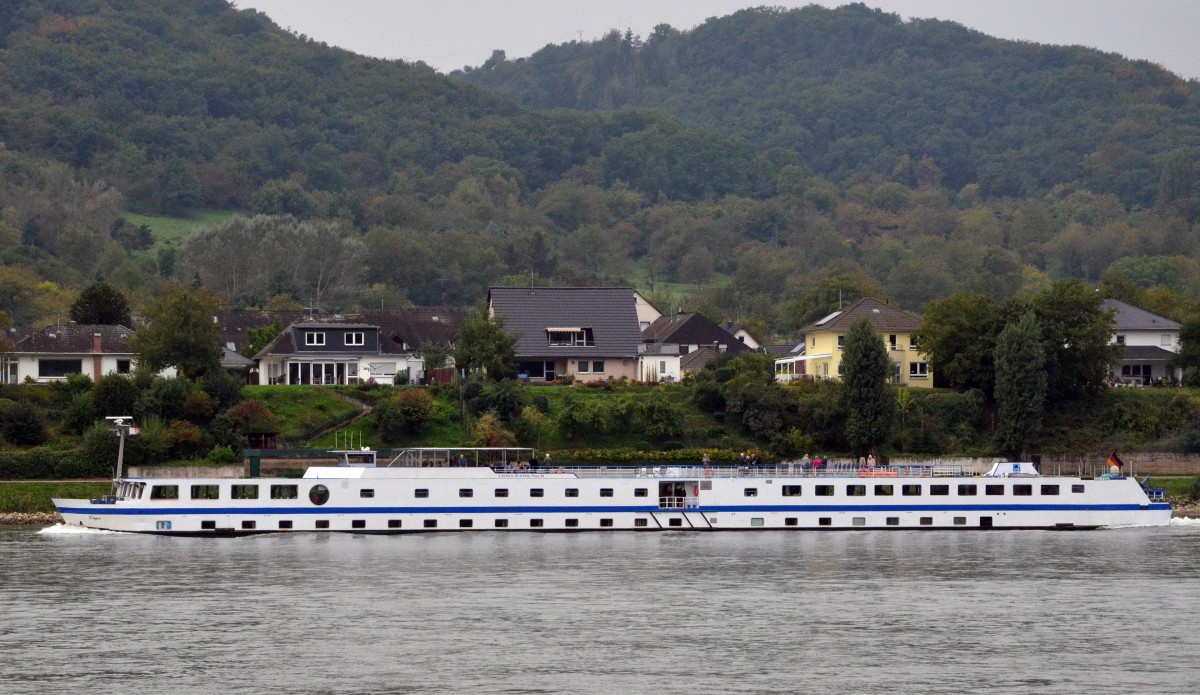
1164, 339
841, 341
311, 338
570, 337
892, 341
598, 367
583, 366
56, 369
123, 366
1120, 340
912, 343
662, 367
918, 370
355, 339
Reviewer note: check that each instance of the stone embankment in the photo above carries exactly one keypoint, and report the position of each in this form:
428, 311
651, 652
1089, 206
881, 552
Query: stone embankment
30, 518
1183, 507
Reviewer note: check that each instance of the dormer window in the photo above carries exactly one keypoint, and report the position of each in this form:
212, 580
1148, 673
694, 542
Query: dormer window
1120, 340
313, 338
570, 337
355, 339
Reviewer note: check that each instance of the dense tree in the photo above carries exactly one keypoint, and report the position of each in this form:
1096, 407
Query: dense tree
181, 332
1020, 385
871, 400
483, 344
101, 304
1076, 330
958, 334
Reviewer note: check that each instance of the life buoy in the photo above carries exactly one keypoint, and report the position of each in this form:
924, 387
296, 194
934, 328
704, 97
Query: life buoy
863, 473
708, 472
559, 470
696, 491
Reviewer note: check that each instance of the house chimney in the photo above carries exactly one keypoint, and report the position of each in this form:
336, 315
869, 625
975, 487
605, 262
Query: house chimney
97, 348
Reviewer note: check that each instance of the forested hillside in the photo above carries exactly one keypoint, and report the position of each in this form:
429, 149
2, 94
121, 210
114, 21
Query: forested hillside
762, 166
853, 90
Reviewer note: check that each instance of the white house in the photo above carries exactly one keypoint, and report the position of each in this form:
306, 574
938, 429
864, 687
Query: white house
1149, 341
52, 353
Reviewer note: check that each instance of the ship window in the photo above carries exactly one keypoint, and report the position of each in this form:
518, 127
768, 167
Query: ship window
606, 492
466, 523
856, 490
248, 524
358, 523
675, 522
430, 523
910, 490
640, 492
394, 523
824, 491
893, 521
318, 495
825, 521
939, 490
501, 523
572, 492
791, 490
968, 490
858, 521
750, 492
536, 523
206, 492
366, 492
884, 490
1049, 489
243, 492
572, 523
960, 521
605, 523
164, 492
927, 521
208, 525
502, 492
985, 522
791, 521
421, 492
322, 523
1022, 490
466, 492
1077, 488
285, 492
537, 492
640, 523
994, 489
285, 523
756, 521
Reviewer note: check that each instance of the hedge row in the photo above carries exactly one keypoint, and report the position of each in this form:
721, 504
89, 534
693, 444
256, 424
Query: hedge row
51, 464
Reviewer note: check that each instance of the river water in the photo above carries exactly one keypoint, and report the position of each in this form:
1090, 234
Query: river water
739, 612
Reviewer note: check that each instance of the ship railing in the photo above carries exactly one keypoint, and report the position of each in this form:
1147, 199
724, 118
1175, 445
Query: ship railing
692, 472
682, 503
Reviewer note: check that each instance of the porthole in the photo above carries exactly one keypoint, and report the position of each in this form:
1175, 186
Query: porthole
318, 495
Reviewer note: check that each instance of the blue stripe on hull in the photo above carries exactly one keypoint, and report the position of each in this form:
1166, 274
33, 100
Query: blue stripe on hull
110, 510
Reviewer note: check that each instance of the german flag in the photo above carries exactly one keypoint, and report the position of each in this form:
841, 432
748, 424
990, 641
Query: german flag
1114, 460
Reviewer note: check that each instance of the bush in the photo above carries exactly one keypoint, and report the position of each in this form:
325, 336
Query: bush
22, 423
707, 397
224, 386
53, 464
1193, 492
220, 455
79, 414
114, 395
504, 398
541, 402
165, 398
792, 445
405, 415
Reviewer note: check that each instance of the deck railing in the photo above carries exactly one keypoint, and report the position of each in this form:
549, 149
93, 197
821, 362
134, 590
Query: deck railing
707, 472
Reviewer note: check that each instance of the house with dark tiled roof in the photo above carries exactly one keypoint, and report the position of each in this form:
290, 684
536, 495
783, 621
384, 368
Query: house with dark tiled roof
670, 339
54, 352
378, 345
823, 341
1149, 342
587, 333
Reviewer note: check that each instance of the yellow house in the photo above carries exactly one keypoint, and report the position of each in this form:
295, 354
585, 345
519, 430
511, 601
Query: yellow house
821, 356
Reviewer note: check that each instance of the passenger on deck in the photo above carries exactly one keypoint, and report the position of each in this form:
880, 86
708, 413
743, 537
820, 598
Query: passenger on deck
462, 460
806, 462
870, 460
